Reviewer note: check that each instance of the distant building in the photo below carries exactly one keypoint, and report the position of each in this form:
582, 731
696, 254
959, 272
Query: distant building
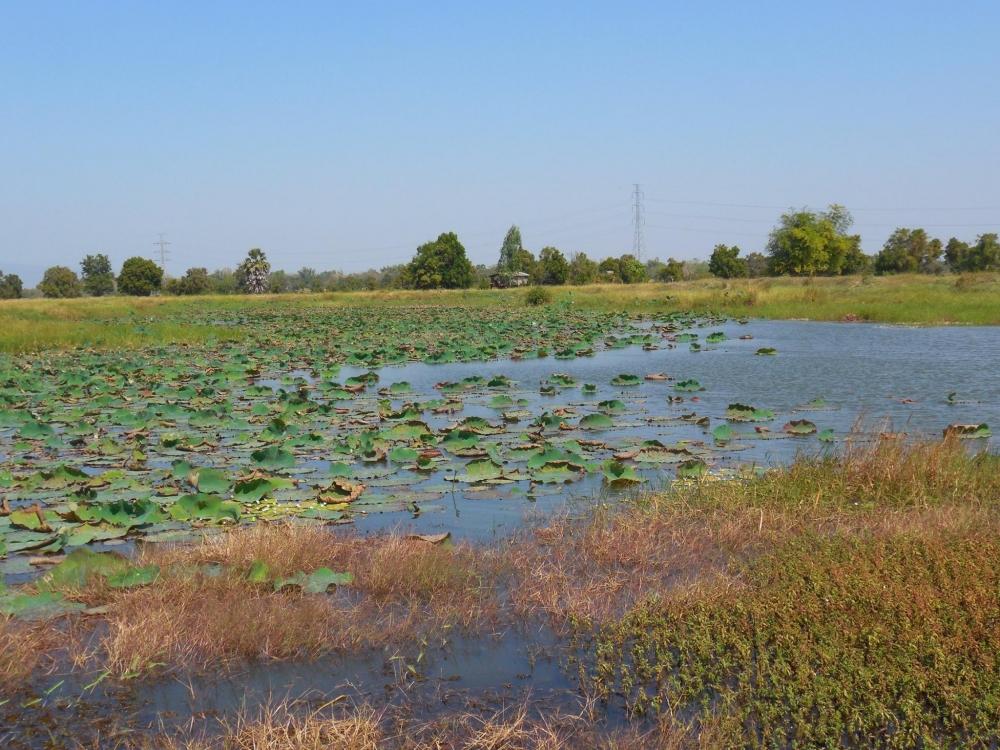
505, 280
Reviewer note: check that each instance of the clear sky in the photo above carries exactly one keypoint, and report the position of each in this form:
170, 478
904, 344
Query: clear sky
342, 135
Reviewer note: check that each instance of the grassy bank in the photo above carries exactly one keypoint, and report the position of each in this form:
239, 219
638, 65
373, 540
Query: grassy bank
842, 600
969, 299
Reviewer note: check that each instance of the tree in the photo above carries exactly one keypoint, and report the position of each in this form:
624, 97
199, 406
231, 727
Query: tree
909, 251
139, 277
194, 281
552, 267
60, 281
279, 282
808, 243
607, 270
97, 274
985, 254
582, 270
756, 265
11, 286
252, 274
672, 270
726, 263
631, 270
956, 254
306, 278
441, 264
982, 256
511, 245
222, 281
523, 262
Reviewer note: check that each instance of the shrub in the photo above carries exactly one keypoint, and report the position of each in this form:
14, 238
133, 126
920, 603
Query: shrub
139, 277
538, 295
60, 281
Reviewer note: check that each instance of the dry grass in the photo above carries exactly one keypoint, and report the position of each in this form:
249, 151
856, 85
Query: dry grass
403, 590
694, 538
23, 648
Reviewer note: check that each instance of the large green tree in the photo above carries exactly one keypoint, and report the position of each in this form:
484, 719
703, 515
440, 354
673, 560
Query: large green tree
11, 286
511, 245
582, 270
984, 255
631, 270
672, 270
60, 281
726, 263
194, 281
552, 268
441, 264
139, 277
909, 251
253, 274
97, 274
806, 243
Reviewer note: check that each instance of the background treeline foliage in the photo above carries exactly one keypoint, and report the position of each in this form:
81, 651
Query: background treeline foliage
804, 243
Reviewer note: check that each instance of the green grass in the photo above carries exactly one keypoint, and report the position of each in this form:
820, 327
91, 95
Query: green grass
863, 610
123, 322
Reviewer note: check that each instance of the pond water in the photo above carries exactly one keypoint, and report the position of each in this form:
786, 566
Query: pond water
870, 378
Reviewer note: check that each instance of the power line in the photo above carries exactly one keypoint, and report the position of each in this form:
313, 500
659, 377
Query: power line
851, 208
638, 220
164, 253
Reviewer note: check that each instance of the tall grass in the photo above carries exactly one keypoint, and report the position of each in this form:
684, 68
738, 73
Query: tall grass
113, 322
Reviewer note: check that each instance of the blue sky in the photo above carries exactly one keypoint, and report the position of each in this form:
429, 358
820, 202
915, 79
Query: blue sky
340, 135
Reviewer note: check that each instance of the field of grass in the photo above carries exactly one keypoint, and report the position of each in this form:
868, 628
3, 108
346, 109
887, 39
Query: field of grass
123, 322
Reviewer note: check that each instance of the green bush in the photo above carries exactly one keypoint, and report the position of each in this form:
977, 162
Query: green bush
538, 295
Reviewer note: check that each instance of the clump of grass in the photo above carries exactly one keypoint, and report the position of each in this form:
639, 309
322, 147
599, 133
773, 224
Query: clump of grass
23, 646
892, 640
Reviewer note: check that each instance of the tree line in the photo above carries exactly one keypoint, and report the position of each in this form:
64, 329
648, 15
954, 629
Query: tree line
804, 243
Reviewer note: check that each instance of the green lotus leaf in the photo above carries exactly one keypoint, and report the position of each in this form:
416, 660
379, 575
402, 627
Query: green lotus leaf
316, 582
968, 431
259, 572
402, 454
211, 481
617, 472
800, 427
744, 413
409, 430
612, 406
723, 433
250, 491
39, 606
122, 513
693, 469
81, 566
273, 458
715, 337
626, 379
596, 422
766, 351
204, 508
134, 577
688, 386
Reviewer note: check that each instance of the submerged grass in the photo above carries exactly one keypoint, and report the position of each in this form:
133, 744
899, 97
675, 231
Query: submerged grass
129, 322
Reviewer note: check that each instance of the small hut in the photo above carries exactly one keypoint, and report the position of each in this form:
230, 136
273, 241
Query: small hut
506, 280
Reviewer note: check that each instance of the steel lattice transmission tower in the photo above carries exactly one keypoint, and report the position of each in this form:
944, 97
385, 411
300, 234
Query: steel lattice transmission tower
164, 253
638, 220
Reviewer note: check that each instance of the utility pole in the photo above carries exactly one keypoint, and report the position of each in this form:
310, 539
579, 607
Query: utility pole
164, 253
638, 220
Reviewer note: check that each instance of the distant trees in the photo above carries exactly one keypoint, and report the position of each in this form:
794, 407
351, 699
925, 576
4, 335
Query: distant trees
11, 286
139, 277
806, 243
582, 270
552, 268
97, 275
909, 251
508, 251
757, 265
252, 275
60, 282
194, 281
726, 263
982, 256
441, 264
672, 270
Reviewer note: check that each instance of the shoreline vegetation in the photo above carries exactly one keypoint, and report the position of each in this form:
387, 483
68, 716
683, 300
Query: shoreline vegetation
909, 299
845, 599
